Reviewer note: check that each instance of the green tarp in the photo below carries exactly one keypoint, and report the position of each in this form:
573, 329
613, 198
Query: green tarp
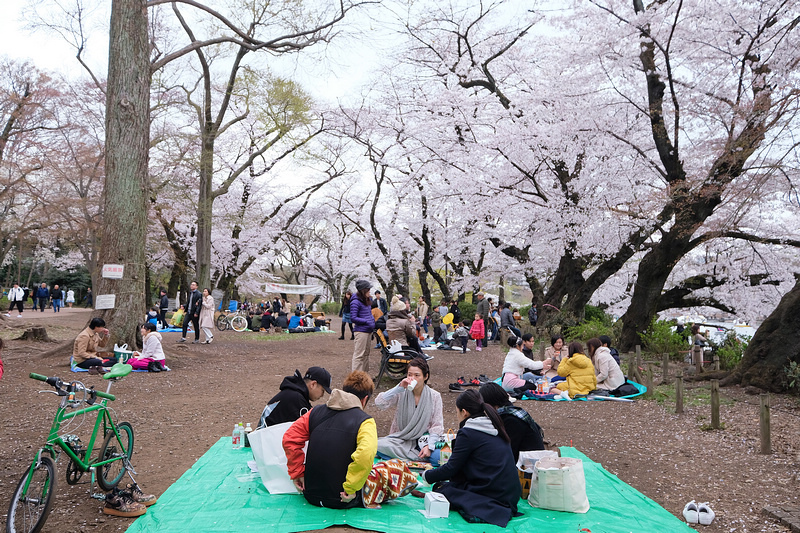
220, 494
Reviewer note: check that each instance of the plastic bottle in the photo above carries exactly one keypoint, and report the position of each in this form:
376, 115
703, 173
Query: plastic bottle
241, 435
247, 432
235, 437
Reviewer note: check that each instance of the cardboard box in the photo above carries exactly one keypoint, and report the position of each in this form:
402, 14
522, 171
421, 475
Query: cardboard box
436, 505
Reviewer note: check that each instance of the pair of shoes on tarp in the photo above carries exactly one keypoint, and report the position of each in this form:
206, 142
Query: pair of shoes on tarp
698, 513
129, 502
94, 370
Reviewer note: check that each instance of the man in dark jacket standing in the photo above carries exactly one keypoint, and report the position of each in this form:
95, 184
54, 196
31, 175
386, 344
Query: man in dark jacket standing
193, 314
294, 399
482, 308
43, 296
163, 307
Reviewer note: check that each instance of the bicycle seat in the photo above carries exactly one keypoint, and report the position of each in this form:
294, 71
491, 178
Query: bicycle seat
120, 370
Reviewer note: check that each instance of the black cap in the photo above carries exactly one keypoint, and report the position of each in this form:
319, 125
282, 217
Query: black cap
321, 376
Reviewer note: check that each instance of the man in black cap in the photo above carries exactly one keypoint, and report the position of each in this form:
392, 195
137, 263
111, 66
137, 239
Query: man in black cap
297, 393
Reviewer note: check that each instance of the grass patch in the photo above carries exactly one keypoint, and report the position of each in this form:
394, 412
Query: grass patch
260, 337
692, 397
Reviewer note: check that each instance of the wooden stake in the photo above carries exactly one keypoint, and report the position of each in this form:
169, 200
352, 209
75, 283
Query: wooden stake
766, 438
648, 381
698, 359
715, 404
716, 362
679, 393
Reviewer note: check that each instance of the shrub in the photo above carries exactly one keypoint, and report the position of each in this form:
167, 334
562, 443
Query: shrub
467, 311
330, 308
792, 375
730, 352
592, 313
659, 338
586, 330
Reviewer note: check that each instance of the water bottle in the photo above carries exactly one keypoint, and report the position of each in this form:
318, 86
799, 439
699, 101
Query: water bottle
241, 435
247, 432
235, 437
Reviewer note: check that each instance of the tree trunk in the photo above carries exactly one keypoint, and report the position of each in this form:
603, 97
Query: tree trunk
773, 346
127, 143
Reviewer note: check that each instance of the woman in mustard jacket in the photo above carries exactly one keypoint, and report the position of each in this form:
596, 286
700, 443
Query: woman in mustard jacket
578, 370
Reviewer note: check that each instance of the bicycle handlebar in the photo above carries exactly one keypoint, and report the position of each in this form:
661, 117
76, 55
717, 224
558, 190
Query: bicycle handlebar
57, 383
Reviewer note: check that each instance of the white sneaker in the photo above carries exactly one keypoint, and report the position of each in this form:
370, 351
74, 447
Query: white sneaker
8, 315
704, 514
19, 316
690, 512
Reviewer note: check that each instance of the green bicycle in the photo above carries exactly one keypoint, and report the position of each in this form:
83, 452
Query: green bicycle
34, 496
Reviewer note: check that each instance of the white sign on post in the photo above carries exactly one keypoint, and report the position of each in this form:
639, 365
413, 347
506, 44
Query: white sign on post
105, 301
113, 271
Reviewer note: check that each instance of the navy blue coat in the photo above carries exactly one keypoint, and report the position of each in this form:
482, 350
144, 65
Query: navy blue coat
483, 477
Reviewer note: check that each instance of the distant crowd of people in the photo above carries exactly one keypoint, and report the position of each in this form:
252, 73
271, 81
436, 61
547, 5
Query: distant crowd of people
42, 297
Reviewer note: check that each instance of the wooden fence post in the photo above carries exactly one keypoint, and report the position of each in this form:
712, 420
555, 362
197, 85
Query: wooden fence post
698, 359
716, 362
766, 437
648, 381
665, 369
715, 404
679, 392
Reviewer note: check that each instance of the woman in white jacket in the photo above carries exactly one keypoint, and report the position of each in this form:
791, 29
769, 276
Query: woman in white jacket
609, 375
151, 349
514, 375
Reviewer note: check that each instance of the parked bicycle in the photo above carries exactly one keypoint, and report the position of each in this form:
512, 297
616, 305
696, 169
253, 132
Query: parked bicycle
34, 496
231, 319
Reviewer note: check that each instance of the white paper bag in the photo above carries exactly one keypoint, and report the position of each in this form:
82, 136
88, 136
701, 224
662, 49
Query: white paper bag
267, 447
561, 485
528, 459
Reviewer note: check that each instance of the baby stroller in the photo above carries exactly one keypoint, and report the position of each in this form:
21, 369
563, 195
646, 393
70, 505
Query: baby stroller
394, 358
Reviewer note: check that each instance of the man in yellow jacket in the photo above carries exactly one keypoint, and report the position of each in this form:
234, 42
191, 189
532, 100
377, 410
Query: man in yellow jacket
342, 442
578, 370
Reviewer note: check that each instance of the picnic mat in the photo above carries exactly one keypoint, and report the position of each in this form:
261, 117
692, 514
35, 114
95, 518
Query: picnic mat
220, 494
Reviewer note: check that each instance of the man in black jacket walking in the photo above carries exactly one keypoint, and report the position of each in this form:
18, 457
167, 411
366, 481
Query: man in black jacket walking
193, 314
294, 399
163, 307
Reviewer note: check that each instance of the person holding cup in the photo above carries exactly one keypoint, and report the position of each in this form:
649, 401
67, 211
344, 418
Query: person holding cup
418, 421
85, 349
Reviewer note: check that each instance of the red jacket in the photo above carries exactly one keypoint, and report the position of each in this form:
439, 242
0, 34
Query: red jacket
476, 331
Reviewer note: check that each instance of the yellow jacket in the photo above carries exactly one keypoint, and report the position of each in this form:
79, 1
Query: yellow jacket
579, 372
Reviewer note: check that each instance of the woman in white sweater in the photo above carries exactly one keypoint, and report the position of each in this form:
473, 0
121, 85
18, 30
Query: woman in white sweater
609, 375
151, 349
514, 375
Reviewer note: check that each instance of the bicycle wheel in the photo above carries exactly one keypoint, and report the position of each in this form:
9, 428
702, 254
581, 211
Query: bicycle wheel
239, 323
28, 512
109, 475
222, 322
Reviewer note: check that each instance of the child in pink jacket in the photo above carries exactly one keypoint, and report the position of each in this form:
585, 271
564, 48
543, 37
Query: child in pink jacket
477, 331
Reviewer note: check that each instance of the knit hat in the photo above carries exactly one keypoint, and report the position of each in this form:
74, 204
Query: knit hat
363, 284
398, 304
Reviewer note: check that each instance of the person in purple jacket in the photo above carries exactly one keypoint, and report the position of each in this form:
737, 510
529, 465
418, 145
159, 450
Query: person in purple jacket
363, 324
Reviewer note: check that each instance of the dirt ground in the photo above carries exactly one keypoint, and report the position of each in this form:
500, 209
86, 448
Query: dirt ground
178, 415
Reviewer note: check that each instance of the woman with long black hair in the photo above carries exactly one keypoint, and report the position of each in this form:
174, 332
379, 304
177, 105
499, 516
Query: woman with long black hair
483, 482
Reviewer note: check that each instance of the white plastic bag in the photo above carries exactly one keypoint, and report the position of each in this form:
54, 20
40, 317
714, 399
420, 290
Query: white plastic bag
267, 446
560, 485
528, 459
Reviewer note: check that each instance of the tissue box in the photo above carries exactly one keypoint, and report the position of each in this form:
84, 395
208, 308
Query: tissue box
436, 505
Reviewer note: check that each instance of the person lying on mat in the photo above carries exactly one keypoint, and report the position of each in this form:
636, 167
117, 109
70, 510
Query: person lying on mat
295, 396
342, 441
578, 370
609, 375
523, 432
484, 485
152, 352
515, 378
418, 421
84, 350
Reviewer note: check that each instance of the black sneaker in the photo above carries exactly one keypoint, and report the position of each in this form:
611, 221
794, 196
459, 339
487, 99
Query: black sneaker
456, 387
120, 504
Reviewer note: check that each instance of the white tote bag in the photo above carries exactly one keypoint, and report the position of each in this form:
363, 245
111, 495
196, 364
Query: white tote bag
560, 485
267, 446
